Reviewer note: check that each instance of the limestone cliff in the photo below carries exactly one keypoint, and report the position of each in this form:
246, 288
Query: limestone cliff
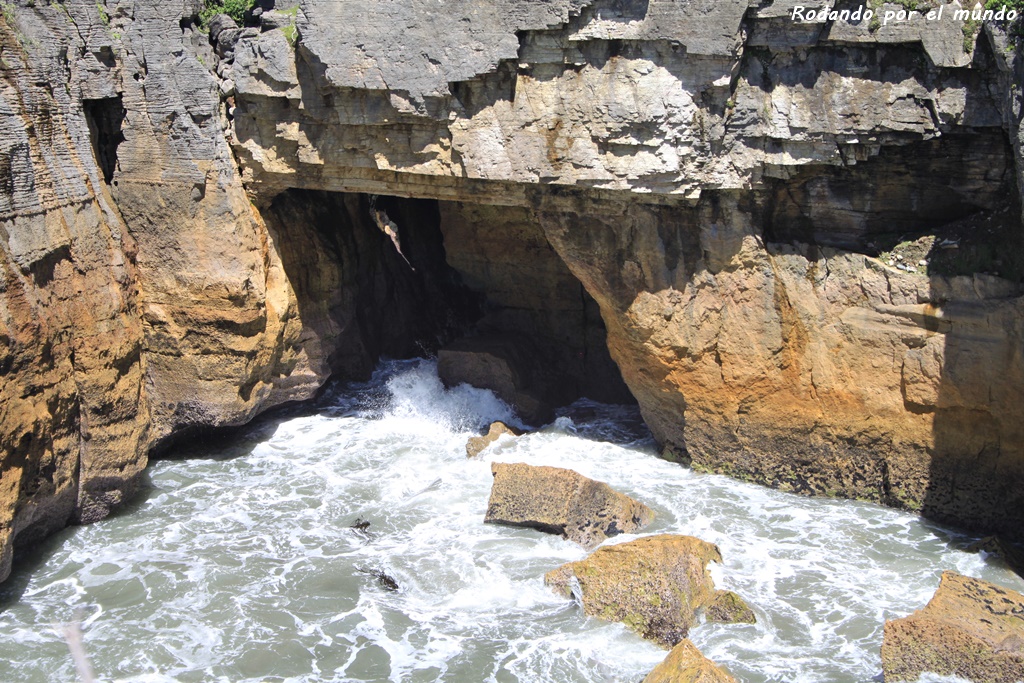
195, 229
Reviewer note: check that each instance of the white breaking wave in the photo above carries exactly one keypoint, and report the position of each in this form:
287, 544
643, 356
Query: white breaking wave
242, 565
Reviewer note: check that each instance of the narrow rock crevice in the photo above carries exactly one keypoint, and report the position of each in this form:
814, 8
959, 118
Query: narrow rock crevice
105, 116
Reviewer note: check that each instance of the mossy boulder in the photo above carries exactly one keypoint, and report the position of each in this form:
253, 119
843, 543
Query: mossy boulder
686, 664
476, 445
654, 585
729, 608
970, 628
560, 501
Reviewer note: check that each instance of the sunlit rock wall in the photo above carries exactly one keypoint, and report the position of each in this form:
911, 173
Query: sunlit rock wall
719, 180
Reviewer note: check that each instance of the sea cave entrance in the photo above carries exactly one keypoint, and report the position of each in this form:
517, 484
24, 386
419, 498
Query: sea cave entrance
478, 285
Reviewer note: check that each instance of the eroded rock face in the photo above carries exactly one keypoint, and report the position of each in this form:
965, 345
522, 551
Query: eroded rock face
686, 664
716, 178
502, 254
654, 585
970, 628
560, 501
720, 180
73, 409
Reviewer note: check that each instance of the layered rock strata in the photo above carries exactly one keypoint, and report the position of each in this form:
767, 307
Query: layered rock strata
707, 184
721, 180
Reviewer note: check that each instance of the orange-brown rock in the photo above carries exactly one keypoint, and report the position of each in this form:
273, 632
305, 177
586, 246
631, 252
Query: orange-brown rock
655, 586
813, 370
476, 444
561, 501
970, 628
187, 235
686, 664
73, 407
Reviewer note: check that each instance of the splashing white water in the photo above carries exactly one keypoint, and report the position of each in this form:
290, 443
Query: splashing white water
241, 565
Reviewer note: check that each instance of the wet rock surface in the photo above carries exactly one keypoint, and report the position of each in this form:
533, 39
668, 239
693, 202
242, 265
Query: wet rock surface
561, 501
503, 365
970, 628
477, 444
686, 664
655, 586
729, 608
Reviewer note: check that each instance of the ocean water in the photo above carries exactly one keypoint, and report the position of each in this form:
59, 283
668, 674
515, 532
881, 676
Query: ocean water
241, 561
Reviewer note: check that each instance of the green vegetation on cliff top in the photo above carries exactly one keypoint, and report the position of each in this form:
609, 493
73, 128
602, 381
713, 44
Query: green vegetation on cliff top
235, 9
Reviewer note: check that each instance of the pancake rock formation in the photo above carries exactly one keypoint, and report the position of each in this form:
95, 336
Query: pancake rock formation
701, 205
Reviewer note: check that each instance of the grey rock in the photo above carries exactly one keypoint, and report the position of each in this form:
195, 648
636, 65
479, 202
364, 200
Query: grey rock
227, 38
220, 23
274, 19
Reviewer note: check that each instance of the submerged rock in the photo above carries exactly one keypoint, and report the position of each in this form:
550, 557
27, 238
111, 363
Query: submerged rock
686, 664
654, 585
384, 580
560, 501
476, 445
970, 628
729, 608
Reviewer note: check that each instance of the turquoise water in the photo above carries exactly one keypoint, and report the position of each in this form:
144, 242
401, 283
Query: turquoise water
240, 562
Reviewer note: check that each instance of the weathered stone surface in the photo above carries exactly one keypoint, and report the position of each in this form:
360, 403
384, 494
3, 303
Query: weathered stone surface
73, 408
740, 362
476, 444
970, 628
654, 585
695, 185
729, 608
560, 501
716, 178
686, 664
142, 297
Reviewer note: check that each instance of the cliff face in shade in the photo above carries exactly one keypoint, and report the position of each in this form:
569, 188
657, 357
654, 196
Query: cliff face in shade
176, 255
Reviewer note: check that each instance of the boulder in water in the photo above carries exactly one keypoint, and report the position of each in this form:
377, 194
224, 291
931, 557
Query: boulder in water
504, 365
729, 608
686, 664
970, 628
476, 445
564, 502
654, 585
